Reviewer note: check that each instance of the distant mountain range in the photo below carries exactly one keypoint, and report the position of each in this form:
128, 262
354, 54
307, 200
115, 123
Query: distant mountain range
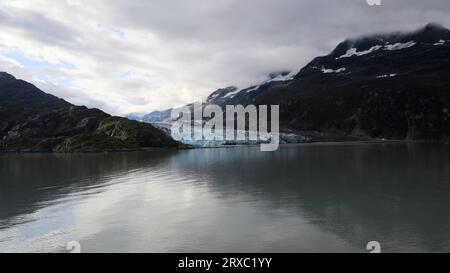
388, 86
33, 121
224, 96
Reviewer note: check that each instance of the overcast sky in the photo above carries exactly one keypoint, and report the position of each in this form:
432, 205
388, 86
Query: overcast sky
126, 56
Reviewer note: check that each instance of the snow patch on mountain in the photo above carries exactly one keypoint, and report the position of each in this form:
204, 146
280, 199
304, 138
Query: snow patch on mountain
399, 46
386, 76
354, 52
252, 89
327, 71
213, 96
441, 42
279, 78
232, 94
274, 77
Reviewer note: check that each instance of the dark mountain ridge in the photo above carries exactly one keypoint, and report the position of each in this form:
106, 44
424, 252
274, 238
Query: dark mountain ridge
393, 86
34, 121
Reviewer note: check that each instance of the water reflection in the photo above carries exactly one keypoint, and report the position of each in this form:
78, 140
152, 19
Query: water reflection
29, 180
301, 198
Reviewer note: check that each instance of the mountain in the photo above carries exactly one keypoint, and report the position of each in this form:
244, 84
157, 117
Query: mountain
221, 95
157, 116
232, 95
386, 86
224, 96
391, 86
33, 121
134, 116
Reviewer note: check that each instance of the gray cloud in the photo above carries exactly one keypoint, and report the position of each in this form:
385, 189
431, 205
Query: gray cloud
180, 49
38, 26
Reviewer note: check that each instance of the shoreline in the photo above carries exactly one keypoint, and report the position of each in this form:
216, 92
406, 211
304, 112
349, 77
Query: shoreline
187, 147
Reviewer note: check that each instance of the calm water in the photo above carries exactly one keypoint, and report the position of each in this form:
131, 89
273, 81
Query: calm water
311, 198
